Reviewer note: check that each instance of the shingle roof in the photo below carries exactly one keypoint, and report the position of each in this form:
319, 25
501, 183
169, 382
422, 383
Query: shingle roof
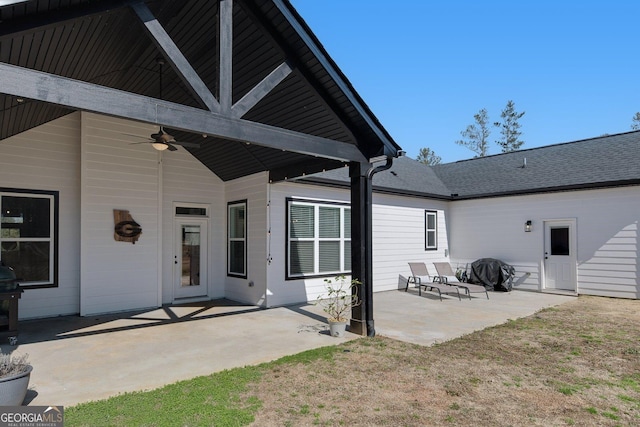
406, 176
605, 161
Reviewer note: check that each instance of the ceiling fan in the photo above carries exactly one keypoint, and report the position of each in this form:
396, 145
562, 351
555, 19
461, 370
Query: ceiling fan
162, 140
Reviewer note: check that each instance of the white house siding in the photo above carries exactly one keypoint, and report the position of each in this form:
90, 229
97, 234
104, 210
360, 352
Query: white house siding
606, 229
398, 238
187, 181
48, 158
282, 291
118, 276
253, 189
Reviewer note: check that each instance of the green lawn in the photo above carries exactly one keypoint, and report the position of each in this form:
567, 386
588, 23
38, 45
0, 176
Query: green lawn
194, 402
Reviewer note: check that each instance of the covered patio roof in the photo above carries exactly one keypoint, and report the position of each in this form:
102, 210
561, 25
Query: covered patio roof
248, 74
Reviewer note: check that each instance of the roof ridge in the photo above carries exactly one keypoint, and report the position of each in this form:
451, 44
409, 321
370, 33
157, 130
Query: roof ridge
542, 147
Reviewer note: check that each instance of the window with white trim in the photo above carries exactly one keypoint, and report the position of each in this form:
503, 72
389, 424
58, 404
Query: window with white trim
319, 238
430, 230
237, 239
28, 236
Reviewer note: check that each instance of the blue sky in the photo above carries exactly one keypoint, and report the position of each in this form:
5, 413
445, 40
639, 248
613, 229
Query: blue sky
426, 67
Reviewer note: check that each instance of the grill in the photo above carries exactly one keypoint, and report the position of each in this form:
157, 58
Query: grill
8, 281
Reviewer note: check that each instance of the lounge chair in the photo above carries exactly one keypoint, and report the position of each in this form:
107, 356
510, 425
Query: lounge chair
446, 276
420, 277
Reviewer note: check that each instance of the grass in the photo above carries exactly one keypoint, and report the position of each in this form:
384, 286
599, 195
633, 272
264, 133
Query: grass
576, 364
193, 402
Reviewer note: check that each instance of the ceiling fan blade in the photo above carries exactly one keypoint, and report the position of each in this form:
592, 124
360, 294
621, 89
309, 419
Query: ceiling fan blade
138, 136
186, 144
172, 147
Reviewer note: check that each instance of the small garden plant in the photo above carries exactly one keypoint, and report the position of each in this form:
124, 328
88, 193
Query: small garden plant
340, 297
13, 365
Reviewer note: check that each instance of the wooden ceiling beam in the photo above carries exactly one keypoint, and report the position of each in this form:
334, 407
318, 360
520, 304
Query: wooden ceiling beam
172, 53
262, 89
79, 95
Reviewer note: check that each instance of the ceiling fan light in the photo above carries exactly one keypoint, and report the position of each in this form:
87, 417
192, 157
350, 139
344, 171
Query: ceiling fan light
160, 146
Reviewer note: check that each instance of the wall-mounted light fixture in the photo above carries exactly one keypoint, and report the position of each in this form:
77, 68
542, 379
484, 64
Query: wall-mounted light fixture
527, 226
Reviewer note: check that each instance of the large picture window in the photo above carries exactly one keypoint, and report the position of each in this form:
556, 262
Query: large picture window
431, 230
237, 239
319, 239
28, 236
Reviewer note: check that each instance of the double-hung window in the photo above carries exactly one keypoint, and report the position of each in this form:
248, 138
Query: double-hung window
431, 230
237, 239
319, 238
28, 235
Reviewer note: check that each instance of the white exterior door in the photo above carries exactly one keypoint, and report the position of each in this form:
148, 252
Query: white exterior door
560, 256
190, 258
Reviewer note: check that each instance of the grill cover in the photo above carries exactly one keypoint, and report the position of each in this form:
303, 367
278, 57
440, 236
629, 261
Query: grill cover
493, 274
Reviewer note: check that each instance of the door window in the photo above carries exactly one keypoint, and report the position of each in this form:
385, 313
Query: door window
190, 273
559, 241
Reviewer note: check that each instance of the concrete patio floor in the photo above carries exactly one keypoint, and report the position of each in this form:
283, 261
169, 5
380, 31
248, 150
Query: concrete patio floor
79, 359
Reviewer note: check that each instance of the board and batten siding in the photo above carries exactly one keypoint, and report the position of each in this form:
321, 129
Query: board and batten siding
253, 189
118, 276
398, 238
282, 291
606, 230
187, 181
48, 158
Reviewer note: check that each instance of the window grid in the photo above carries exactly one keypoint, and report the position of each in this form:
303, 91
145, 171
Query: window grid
29, 247
325, 255
430, 230
237, 239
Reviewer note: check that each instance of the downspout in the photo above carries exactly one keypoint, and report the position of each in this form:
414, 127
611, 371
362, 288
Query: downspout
368, 279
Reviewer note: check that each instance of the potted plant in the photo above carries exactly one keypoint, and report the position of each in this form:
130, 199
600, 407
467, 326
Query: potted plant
341, 295
15, 372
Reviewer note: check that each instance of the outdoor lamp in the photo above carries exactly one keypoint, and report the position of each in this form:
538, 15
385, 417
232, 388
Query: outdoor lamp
160, 146
527, 226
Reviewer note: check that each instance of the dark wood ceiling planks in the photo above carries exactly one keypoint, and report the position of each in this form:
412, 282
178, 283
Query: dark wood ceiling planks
104, 42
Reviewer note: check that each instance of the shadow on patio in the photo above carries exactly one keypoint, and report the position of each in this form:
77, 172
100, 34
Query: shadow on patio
78, 359
73, 326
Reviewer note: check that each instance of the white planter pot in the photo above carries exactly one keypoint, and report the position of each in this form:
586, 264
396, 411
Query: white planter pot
337, 329
13, 389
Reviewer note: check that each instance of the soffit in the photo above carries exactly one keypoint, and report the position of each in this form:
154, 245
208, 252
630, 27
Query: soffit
105, 43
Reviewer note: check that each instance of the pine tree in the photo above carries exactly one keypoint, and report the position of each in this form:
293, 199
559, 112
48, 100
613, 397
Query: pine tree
510, 128
428, 157
635, 122
476, 136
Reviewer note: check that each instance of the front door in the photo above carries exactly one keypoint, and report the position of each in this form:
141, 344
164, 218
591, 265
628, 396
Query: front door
190, 258
560, 255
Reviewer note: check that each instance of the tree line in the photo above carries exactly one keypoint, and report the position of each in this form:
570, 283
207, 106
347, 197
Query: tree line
476, 136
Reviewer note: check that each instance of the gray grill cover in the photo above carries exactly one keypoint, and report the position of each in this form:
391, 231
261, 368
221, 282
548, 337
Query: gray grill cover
493, 274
